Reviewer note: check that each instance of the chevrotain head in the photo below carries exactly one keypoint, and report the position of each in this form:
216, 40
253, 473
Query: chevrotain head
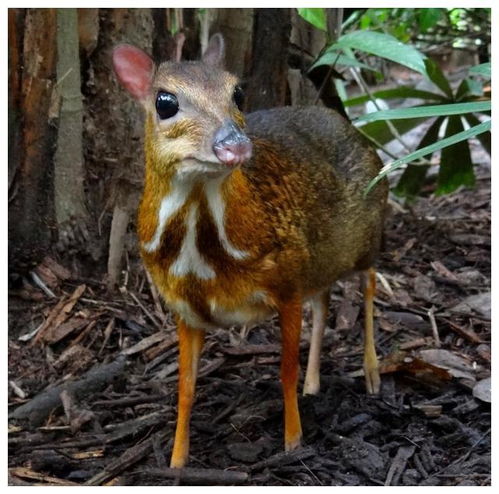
194, 120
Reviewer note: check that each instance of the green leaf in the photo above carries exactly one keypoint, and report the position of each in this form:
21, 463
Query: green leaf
399, 92
469, 88
427, 111
428, 18
456, 167
401, 32
316, 17
475, 87
340, 88
414, 176
463, 90
483, 69
381, 133
485, 137
448, 141
355, 16
437, 77
385, 46
332, 57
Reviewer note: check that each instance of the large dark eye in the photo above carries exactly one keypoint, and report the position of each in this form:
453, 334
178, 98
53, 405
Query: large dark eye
166, 104
239, 97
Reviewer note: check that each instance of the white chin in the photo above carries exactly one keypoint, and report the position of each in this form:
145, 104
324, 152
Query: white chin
191, 168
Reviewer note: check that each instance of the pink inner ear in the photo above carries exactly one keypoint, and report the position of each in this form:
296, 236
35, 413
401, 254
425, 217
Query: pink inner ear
134, 70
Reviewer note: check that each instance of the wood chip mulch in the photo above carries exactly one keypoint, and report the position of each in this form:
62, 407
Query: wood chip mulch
92, 376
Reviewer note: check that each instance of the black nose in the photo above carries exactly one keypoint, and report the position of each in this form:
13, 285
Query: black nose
231, 145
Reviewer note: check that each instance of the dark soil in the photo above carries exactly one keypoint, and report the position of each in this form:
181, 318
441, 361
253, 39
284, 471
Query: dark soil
425, 428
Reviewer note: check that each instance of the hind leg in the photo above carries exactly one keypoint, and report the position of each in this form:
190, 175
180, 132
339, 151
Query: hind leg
319, 304
371, 370
290, 314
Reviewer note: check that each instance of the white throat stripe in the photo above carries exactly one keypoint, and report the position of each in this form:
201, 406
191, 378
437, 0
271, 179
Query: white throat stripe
216, 206
189, 259
170, 204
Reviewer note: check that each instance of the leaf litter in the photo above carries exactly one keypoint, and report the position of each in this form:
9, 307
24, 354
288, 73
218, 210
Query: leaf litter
92, 376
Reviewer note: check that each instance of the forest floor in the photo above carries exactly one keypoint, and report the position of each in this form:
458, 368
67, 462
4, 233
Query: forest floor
111, 360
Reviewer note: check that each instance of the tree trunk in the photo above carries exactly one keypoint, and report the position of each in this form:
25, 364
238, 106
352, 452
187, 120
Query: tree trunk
88, 31
16, 25
32, 137
323, 76
236, 26
267, 84
69, 174
163, 43
114, 132
307, 41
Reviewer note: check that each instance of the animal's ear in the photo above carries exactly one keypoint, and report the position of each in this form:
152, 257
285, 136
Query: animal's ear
134, 69
215, 51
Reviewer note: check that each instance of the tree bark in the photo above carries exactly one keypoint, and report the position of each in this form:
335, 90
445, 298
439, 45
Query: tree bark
15, 56
69, 193
267, 82
88, 31
307, 42
323, 76
236, 26
115, 153
31, 216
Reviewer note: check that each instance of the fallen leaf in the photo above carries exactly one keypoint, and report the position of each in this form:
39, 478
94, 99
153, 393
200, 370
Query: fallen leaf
471, 277
424, 288
456, 366
484, 351
347, 315
406, 319
404, 250
469, 239
443, 271
479, 303
481, 390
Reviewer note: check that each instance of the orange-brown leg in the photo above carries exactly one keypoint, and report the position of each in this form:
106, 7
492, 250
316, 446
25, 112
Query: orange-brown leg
371, 370
319, 304
190, 342
290, 314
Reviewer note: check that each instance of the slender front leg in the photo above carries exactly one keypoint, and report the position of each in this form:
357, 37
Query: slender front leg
190, 342
320, 303
371, 370
290, 313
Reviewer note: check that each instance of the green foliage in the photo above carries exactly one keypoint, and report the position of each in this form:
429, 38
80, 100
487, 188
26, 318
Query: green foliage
428, 150
456, 167
427, 111
332, 56
384, 46
401, 23
316, 17
413, 178
456, 111
423, 26
428, 18
399, 92
483, 69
